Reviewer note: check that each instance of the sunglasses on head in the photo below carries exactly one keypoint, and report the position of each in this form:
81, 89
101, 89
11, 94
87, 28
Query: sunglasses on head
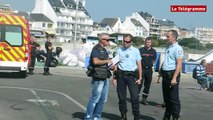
127, 41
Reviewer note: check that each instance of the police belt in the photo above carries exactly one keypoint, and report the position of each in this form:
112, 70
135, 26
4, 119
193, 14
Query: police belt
126, 73
146, 67
167, 73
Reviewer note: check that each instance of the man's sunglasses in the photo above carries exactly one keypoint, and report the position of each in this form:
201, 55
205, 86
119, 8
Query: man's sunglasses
127, 41
106, 39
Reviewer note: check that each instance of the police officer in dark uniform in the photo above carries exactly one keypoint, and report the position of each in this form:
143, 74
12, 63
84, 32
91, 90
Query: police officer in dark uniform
49, 48
34, 49
124, 77
148, 55
170, 73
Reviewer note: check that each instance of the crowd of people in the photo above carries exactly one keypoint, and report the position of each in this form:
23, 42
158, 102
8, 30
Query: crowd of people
134, 70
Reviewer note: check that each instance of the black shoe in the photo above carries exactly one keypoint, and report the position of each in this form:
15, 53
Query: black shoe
30, 72
49, 73
144, 102
175, 118
136, 117
45, 73
123, 117
166, 118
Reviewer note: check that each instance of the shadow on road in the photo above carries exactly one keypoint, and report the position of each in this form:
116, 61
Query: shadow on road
155, 104
144, 117
151, 103
79, 115
108, 116
10, 75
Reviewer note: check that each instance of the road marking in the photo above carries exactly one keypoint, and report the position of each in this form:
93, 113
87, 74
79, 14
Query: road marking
51, 91
49, 114
61, 74
51, 102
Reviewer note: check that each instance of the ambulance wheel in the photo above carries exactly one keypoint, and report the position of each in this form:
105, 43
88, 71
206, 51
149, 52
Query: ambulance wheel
23, 74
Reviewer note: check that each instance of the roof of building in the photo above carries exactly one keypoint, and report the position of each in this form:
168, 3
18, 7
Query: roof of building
71, 4
145, 15
22, 13
56, 3
136, 22
38, 17
108, 21
166, 23
96, 24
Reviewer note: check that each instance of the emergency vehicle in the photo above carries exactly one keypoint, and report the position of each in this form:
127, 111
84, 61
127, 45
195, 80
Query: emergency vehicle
14, 44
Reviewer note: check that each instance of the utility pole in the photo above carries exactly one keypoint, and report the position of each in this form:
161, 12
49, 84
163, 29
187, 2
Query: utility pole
76, 16
196, 40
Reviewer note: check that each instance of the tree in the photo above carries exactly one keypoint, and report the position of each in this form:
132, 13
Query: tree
162, 43
200, 46
138, 41
209, 46
186, 41
155, 43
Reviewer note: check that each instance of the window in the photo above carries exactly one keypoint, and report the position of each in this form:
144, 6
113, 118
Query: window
49, 25
43, 25
13, 35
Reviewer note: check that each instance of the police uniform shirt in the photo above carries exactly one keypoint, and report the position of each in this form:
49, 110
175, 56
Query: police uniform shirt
171, 54
128, 58
148, 57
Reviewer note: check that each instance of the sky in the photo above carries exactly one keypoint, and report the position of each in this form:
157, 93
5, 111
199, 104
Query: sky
99, 9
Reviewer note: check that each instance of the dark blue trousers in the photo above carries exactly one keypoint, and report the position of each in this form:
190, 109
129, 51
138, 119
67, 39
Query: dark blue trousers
123, 82
48, 59
171, 94
146, 80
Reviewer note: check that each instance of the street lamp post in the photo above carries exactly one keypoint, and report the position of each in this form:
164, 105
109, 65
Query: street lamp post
76, 16
196, 41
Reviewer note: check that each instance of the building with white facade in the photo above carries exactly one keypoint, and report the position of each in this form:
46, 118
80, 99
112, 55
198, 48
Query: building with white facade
204, 34
5, 8
133, 26
184, 33
111, 25
136, 25
41, 22
158, 28
153, 23
38, 23
68, 16
164, 27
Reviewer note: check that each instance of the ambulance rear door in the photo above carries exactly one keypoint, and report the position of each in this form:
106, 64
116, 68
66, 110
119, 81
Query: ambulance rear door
12, 45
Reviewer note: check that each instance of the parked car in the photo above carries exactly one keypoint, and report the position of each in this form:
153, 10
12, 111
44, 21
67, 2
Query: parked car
38, 33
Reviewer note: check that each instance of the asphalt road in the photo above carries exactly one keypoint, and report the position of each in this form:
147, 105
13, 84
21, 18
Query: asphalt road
64, 96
